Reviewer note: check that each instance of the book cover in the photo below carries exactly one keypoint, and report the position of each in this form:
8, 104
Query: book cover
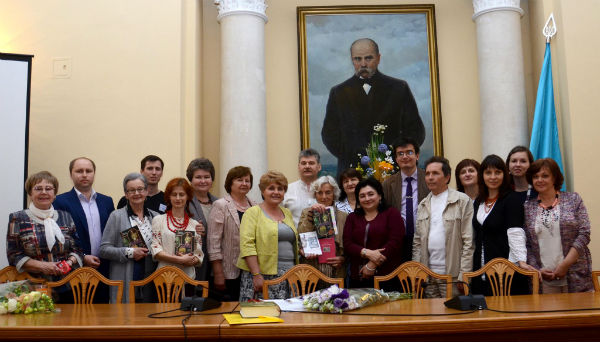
327, 249
256, 309
132, 237
184, 242
324, 223
310, 243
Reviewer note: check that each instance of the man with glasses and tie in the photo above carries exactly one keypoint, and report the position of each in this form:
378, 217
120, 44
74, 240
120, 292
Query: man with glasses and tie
364, 100
90, 211
406, 188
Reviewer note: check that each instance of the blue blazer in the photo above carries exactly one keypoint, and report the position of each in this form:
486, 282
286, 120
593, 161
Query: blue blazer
69, 201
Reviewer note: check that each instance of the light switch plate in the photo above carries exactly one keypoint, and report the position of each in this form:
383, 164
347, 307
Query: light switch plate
61, 67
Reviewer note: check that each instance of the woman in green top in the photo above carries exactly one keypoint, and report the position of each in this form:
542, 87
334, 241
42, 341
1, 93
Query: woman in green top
268, 241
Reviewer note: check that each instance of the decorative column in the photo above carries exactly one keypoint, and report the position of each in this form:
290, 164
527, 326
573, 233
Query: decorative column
501, 79
243, 104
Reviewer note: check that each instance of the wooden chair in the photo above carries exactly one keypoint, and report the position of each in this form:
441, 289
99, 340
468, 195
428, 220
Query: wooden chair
412, 276
168, 281
302, 279
500, 273
84, 282
595, 275
10, 273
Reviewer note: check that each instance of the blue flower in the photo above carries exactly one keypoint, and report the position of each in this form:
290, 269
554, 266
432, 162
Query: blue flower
382, 148
338, 302
365, 160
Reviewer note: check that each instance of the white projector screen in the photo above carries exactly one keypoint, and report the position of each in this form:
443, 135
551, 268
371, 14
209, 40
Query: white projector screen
15, 80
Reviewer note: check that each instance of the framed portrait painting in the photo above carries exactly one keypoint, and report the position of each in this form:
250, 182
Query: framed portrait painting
362, 66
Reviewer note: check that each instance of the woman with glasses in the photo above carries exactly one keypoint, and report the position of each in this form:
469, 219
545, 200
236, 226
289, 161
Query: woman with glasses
41, 240
126, 239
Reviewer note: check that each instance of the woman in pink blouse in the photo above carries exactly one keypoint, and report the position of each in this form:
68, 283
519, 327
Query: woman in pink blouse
224, 232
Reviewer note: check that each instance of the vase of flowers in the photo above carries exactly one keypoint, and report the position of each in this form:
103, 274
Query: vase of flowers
378, 161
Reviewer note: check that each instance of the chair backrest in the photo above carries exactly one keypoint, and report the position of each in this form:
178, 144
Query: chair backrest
84, 282
499, 273
168, 281
595, 275
413, 275
10, 273
302, 279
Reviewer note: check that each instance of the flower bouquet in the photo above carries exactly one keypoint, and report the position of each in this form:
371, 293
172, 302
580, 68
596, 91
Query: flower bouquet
336, 300
378, 161
16, 298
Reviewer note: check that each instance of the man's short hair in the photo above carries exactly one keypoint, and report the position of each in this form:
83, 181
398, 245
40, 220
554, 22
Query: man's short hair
151, 158
373, 44
309, 152
72, 163
446, 169
405, 141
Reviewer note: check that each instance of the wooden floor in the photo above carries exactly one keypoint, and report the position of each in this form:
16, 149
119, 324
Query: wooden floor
425, 319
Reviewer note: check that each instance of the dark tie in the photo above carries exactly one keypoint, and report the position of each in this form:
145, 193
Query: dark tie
410, 220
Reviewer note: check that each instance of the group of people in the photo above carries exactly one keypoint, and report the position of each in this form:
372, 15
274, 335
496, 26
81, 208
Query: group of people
511, 209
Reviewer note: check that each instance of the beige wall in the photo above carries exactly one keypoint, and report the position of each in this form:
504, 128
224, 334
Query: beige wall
150, 68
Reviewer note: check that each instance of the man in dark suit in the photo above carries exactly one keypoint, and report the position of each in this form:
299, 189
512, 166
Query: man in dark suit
90, 211
366, 99
405, 189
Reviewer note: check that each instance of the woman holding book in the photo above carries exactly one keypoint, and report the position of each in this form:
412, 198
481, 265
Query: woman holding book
41, 240
373, 236
224, 232
268, 241
130, 259
326, 192
175, 235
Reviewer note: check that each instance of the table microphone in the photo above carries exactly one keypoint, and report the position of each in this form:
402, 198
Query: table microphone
198, 303
468, 302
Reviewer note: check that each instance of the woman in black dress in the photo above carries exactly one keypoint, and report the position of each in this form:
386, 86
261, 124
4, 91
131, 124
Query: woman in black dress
497, 209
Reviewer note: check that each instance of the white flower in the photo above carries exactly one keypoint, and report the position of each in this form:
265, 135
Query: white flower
36, 295
27, 299
11, 305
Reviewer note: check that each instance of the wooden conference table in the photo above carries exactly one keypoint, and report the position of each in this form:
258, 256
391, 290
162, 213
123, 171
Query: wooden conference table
130, 321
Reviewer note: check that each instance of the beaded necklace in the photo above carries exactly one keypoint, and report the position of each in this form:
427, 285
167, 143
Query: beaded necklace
489, 204
549, 214
173, 220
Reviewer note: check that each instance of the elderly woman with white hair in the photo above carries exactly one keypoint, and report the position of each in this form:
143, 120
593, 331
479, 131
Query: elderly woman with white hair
326, 192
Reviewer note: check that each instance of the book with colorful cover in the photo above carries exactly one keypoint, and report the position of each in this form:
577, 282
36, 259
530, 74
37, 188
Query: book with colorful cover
310, 243
184, 242
132, 237
324, 223
327, 249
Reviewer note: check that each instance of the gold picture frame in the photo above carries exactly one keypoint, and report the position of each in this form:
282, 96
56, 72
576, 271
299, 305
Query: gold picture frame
406, 36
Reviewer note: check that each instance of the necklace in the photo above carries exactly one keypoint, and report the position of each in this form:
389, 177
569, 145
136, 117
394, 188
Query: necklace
550, 206
205, 202
550, 214
489, 204
174, 221
241, 206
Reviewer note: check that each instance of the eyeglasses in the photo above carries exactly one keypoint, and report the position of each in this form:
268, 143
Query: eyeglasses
47, 189
134, 191
407, 153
